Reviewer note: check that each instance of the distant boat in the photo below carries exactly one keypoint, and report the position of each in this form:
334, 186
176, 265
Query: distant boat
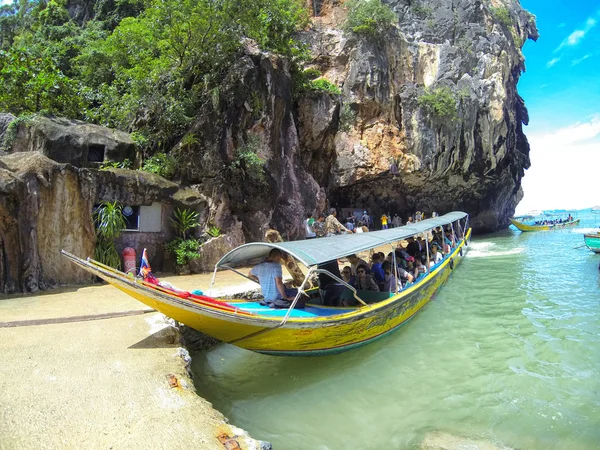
592, 241
529, 223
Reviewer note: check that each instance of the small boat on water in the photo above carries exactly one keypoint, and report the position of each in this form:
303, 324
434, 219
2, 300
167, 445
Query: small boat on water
315, 329
592, 241
542, 223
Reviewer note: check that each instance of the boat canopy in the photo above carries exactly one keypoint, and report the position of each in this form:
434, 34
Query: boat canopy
311, 252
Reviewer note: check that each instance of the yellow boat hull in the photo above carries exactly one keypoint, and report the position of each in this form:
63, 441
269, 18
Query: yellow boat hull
297, 336
524, 227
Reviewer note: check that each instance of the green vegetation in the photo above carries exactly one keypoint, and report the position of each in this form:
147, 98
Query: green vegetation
109, 222
322, 84
184, 220
125, 164
347, 118
184, 250
214, 231
421, 11
144, 66
439, 103
369, 17
11, 131
247, 167
312, 73
502, 15
161, 164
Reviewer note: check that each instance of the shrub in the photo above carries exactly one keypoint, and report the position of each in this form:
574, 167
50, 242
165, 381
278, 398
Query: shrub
161, 164
311, 73
502, 15
369, 17
109, 222
125, 164
214, 231
324, 85
421, 11
347, 118
184, 220
184, 250
439, 103
247, 165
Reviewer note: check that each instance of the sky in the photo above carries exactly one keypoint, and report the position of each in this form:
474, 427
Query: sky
561, 88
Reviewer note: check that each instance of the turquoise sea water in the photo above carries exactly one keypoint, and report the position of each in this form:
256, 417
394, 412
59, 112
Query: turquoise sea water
508, 351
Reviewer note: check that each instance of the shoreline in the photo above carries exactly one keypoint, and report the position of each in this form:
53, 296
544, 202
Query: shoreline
90, 366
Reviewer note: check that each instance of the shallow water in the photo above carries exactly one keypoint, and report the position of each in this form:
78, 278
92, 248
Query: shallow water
508, 351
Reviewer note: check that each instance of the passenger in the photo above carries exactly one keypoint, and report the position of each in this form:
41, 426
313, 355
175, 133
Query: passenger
319, 226
405, 275
366, 219
268, 275
355, 261
364, 280
435, 256
418, 216
396, 221
413, 248
310, 233
411, 268
359, 227
377, 269
420, 266
389, 283
409, 220
348, 277
333, 226
330, 289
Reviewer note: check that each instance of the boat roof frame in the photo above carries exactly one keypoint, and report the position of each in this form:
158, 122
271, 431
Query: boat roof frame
312, 252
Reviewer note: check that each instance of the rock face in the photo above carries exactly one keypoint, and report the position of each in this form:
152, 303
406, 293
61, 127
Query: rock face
72, 141
324, 148
46, 206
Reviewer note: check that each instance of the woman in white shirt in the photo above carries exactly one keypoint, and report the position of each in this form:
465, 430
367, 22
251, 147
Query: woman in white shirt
435, 256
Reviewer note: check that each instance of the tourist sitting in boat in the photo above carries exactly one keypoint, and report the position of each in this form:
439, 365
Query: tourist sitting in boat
411, 269
435, 256
331, 289
268, 275
389, 283
364, 280
355, 261
413, 248
348, 277
420, 266
333, 226
377, 269
405, 275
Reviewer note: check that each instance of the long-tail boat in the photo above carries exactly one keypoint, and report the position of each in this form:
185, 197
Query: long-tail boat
592, 241
528, 223
316, 329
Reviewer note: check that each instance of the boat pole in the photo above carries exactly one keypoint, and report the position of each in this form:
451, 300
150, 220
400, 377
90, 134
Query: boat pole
427, 248
395, 266
212, 282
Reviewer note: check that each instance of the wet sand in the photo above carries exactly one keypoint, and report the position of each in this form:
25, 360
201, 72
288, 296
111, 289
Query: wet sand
91, 367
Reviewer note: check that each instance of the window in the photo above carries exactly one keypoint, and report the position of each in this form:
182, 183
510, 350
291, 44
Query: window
131, 214
95, 153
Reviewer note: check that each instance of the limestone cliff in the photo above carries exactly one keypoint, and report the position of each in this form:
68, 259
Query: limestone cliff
322, 147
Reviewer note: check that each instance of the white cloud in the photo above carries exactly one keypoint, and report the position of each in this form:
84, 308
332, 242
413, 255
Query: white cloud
576, 36
552, 62
583, 58
563, 168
